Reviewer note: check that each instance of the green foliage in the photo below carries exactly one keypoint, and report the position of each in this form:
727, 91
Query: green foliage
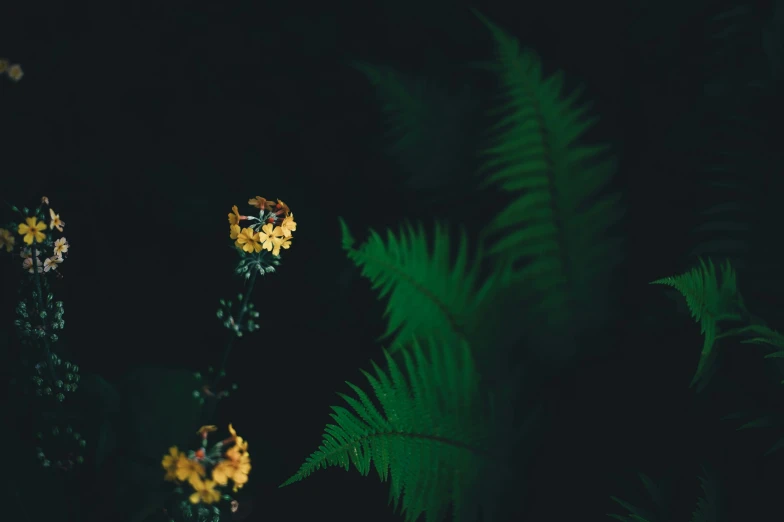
761, 335
707, 509
429, 295
426, 125
711, 301
428, 433
554, 232
765, 421
729, 191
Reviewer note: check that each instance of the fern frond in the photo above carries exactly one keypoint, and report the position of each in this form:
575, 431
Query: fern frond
707, 506
429, 295
710, 302
426, 125
761, 335
555, 230
766, 421
636, 514
428, 433
733, 141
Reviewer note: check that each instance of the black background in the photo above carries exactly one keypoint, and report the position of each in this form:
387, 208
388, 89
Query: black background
145, 122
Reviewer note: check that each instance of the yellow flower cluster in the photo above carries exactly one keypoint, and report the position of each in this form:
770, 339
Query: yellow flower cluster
13, 71
232, 465
270, 231
32, 232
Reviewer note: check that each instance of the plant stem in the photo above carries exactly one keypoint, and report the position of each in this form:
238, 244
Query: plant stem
40, 308
244, 308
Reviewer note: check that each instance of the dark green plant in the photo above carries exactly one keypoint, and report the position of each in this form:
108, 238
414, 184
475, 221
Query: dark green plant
429, 433
708, 505
427, 128
427, 424
712, 301
556, 232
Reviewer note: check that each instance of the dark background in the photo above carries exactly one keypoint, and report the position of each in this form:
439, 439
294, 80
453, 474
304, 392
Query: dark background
145, 122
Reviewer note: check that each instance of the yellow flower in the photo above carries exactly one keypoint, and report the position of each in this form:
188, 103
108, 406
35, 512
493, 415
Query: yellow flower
169, 463
31, 230
204, 491
187, 468
257, 202
234, 231
15, 72
56, 222
206, 429
238, 441
6, 240
280, 242
235, 217
50, 263
288, 225
241, 470
222, 472
267, 234
3, 65
248, 240
280, 208
61, 246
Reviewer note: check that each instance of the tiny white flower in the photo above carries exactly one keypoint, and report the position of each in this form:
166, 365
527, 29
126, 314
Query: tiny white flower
51, 262
28, 265
61, 246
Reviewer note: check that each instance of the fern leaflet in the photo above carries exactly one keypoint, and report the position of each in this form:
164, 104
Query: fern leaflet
554, 231
709, 302
426, 125
428, 435
429, 296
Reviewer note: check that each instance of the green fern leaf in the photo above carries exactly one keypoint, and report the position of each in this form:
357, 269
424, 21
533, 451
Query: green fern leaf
760, 334
708, 505
429, 295
555, 230
710, 302
428, 435
426, 125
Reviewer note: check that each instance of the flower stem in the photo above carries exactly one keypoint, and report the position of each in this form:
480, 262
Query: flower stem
244, 308
40, 308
